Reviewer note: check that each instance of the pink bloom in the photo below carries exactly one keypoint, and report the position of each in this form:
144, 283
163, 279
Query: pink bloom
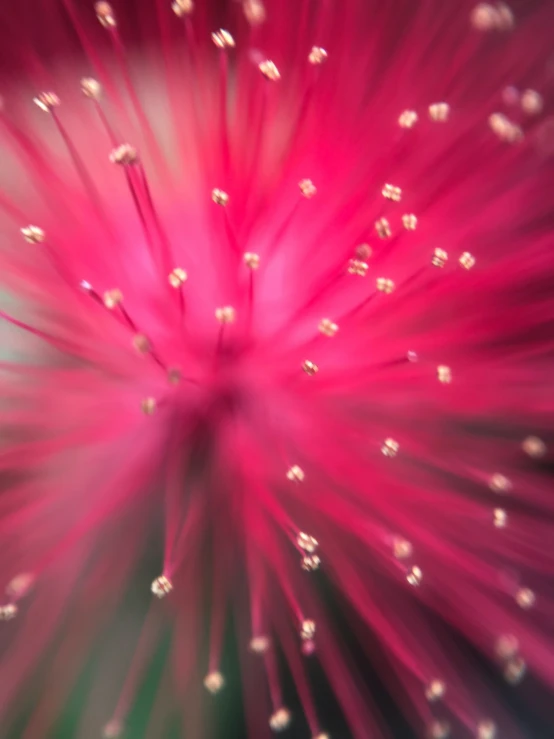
285, 294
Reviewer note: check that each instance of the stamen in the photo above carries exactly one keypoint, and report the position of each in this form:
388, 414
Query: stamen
223, 39
507, 646
254, 12
439, 112
390, 448
328, 328
534, 447
105, 14
33, 234
307, 188
162, 586
382, 227
384, 285
435, 690
220, 197
515, 670
113, 298
486, 729
214, 682
310, 368
148, 406
280, 720
500, 518
391, 192
409, 221
414, 576
307, 629
525, 598
182, 7
357, 267
124, 154
402, 548
317, 55
438, 729
500, 483
91, 88
227, 314
531, 102
269, 70
311, 562
47, 101
106, 17
113, 729
251, 260
8, 611
467, 260
439, 258
295, 473
143, 652
177, 277
408, 119
259, 644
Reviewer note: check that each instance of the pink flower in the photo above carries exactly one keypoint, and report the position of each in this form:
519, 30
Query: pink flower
284, 292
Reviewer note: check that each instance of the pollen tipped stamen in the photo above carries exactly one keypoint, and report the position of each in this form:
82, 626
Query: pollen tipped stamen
260, 644
310, 562
390, 448
307, 188
125, 154
409, 221
384, 285
47, 101
91, 88
392, 192
254, 12
408, 119
328, 327
220, 197
223, 39
467, 260
383, 229
33, 234
310, 368
439, 258
306, 542
295, 474
8, 612
317, 55
435, 690
486, 729
269, 70
214, 682
534, 447
225, 315
113, 729
307, 629
414, 576
181, 8
105, 15
161, 586
439, 112
280, 719
177, 277
251, 260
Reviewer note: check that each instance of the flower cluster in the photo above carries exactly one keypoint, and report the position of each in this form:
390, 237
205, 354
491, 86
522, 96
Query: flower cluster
277, 281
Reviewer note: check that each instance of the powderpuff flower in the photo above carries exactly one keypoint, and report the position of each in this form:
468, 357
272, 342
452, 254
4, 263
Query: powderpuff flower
277, 283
